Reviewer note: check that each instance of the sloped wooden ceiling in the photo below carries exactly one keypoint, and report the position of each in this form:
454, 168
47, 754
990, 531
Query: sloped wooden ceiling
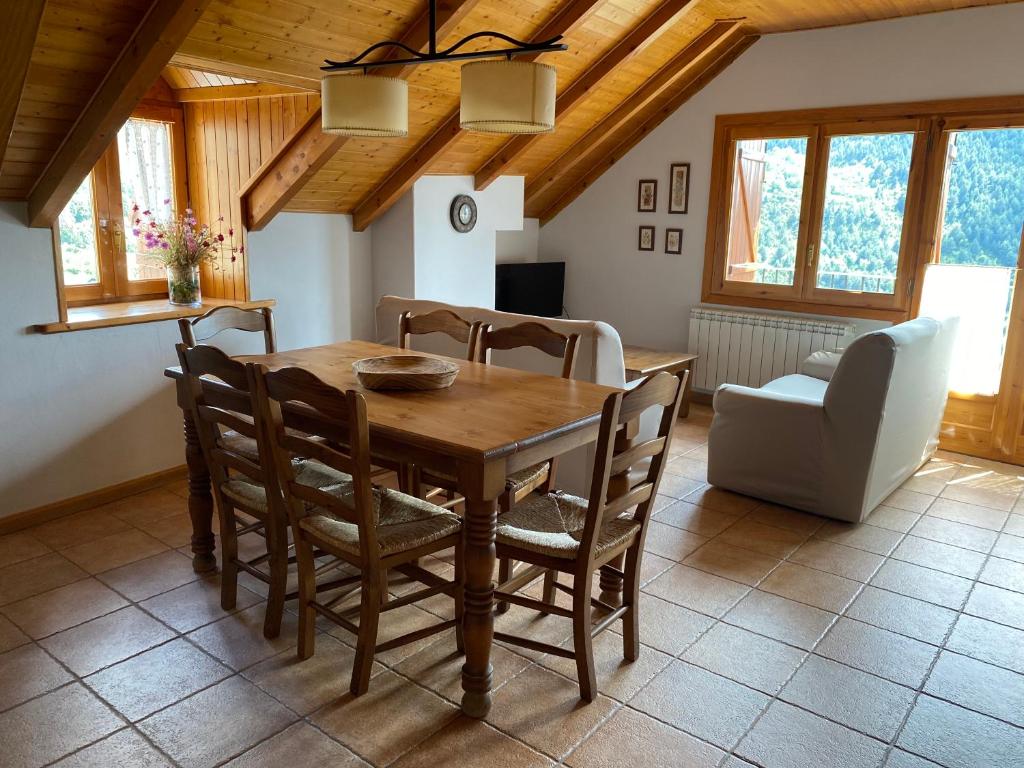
283, 43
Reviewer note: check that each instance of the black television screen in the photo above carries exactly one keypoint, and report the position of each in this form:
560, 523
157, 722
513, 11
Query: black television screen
530, 288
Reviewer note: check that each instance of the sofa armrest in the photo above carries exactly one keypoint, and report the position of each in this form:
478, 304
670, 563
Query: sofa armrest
821, 364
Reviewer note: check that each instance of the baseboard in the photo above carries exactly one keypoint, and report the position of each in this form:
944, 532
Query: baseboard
54, 510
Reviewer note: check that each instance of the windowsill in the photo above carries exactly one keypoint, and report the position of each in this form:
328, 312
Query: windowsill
892, 315
135, 312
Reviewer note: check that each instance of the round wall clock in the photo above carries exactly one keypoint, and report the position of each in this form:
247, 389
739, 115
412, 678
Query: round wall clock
463, 213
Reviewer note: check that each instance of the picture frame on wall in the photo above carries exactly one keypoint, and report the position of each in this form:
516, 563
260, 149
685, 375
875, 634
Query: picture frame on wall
645, 240
679, 188
647, 196
673, 241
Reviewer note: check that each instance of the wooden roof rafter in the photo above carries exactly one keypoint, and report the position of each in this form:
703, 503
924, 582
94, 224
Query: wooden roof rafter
23, 25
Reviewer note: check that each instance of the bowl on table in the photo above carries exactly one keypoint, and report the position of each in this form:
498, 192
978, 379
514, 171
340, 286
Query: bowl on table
409, 372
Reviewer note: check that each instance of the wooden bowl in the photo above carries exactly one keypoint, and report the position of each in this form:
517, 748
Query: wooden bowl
405, 372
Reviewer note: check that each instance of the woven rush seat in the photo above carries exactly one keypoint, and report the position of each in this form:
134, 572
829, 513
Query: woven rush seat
553, 525
513, 482
311, 473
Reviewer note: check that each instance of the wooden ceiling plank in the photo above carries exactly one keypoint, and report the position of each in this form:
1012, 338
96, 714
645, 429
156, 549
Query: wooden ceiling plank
21, 26
633, 134
696, 54
280, 178
653, 26
158, 35
240, 91
399, 181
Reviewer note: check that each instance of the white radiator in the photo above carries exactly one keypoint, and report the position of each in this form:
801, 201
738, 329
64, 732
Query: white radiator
751, 348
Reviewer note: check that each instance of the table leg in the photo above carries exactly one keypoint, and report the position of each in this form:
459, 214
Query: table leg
478, 622
684, 406
200, 502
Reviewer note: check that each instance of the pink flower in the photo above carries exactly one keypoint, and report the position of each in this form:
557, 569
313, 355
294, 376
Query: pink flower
135, 207
167, 201
220, 238
241, 249
165, 245
147, 213
231, 231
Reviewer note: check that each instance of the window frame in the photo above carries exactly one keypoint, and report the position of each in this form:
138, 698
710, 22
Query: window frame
112, 262
930, 121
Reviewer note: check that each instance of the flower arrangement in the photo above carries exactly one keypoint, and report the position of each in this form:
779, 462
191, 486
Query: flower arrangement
182, 245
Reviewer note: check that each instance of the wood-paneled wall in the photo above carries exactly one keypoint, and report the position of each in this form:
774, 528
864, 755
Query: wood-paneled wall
227, 141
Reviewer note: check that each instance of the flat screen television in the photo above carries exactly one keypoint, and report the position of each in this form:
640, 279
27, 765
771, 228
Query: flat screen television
530, 288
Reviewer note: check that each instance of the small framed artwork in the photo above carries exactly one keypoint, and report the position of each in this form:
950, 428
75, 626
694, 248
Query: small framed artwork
679, 188
673, 241
646, 239
647, 196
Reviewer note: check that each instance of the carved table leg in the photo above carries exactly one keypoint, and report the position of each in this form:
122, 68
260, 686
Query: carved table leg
200, 502
478, 622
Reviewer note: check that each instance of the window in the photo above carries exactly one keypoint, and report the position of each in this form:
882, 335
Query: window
99, 255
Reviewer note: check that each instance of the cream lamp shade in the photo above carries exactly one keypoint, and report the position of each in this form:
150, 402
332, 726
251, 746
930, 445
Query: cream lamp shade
502, 96
364, 105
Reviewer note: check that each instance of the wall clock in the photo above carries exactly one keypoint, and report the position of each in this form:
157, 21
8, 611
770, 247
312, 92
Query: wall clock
463, 213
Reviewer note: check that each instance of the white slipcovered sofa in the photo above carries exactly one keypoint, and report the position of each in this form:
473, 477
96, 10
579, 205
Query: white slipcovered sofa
599, 359
843, 434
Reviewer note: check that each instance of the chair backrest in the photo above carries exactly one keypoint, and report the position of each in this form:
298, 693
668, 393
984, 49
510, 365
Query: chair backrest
439, 321
196, 330
334, 432
215, 410
664, 391
531, 334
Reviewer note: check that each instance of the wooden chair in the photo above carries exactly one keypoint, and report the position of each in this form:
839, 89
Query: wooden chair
197, 330
374, 529
558, 533
439, 321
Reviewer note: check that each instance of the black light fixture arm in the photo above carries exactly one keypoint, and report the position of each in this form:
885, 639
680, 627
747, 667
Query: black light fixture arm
518, 48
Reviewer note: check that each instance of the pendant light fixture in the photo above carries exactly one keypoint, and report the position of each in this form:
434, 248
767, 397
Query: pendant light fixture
498, 96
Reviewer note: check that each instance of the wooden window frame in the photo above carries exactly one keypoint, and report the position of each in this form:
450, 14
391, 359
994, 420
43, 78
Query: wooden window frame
929, 120
114, 284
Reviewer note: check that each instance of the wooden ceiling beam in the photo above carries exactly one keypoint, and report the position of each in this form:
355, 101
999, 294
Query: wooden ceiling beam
682, 65
663, 18
137, 67
619, 144
188, 59
279, 179
21, 24
237, 91
399, 181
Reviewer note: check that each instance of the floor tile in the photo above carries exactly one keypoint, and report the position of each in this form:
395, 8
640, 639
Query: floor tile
959, 738
716, 498
787, 737
174, 531
1015, 524
969, 514
524, 623
900, 759
931, 478
467, 737
10, 635
987, 641
671, 542
892, 518
194, 604
652, 566
544, 710
106, 640
922, 583
905, 615
692, 468
149, 577
941, 557
157, 678
731, 562
298, 746
830, 557
629, 734
143, 509
678, 486
27, 672
45, 729
726, 708
984, 489
995, 604
62, 608
190, 733
1009, 547
78, 529
1003, 573
911, 501
806, 585
40, 574
955, 534
784, 517
238, 641
860, 536
848, 696
113, 551
15, 547
700, 520
666, 626
124, 748
761, 538
878, 651
777, 617
696, 590
979, 686
745, 657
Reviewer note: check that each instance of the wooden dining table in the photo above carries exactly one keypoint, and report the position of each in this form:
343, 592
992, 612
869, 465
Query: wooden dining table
491, 422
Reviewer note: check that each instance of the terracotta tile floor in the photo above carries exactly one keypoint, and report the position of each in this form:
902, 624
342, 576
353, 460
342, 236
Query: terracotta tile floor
772, 638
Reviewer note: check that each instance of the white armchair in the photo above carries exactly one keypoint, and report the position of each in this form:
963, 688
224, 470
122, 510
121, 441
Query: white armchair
838, 438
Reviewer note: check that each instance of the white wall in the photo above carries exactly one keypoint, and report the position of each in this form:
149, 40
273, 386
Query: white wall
514, 246
648, 296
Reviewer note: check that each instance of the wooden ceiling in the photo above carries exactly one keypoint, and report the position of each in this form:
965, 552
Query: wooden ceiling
630, 63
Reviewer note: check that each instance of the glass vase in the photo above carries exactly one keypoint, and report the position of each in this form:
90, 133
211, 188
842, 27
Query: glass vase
183, 285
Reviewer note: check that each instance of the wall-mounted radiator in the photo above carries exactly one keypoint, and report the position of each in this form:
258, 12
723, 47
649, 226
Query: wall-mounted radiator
751, 348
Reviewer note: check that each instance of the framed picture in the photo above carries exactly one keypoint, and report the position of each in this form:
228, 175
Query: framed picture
673, 241
679, 188
647, 196
646, 240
